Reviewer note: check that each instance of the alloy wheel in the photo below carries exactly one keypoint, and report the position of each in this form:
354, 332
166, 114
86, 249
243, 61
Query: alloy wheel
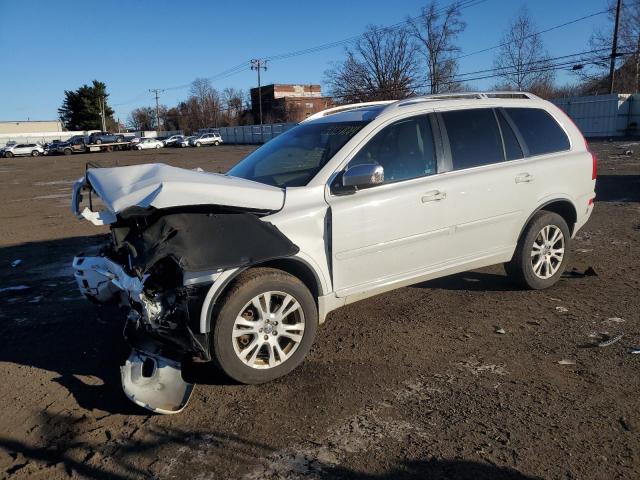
547, 252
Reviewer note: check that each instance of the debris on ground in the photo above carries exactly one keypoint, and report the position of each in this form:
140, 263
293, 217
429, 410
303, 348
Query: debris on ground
500, 330
584, 250
589, 272
14, 288
16, 262
566, 361
562, 309
610, 341
635, 351
614, 320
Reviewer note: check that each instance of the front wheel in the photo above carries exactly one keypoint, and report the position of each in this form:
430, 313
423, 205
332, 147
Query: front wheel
198, 144
35, 153
265, 326
541, 254
8, 154
98, 142
158, 146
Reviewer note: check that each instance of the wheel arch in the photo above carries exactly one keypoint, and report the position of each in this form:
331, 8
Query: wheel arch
562, 206
294, 266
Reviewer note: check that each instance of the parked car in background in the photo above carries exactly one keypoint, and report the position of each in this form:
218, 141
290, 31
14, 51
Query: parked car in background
76, 143
23, 150
146, 143
171, 141
105, 137
186, 141
207, 139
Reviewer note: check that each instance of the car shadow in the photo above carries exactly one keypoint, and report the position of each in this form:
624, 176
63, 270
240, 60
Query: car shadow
473, 281
618, 188
45, 323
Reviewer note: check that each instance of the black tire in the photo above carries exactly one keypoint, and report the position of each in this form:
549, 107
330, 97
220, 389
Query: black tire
119, 139
98, 141
35, 153
198, 144
67, 151
8, 154
520, 269
247, 286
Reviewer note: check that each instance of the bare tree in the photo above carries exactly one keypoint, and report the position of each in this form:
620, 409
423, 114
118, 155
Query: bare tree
207, 101
233, 107
595, 71
381, 65
436, 31
142, 119
522, 61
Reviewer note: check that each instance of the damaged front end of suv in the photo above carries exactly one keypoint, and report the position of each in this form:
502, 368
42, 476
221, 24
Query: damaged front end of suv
174, 234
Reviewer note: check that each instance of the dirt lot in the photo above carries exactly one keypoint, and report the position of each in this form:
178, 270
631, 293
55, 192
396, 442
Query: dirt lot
416, 383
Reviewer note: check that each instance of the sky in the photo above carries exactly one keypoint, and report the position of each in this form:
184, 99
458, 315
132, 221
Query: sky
48, 47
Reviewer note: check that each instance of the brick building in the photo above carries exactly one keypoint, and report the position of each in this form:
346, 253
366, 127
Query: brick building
288, 103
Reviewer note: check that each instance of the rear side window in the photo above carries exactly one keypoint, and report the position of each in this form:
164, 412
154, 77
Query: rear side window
540, 131
474, 137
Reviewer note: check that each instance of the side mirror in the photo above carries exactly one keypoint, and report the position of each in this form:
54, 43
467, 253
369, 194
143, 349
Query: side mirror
363, 176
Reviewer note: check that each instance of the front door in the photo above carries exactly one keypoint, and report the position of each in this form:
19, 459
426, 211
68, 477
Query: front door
384, 233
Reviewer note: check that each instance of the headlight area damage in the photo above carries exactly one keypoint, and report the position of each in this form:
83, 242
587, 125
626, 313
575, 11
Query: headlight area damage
161, 262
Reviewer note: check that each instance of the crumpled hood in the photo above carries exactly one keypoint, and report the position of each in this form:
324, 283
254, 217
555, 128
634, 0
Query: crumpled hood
162, 186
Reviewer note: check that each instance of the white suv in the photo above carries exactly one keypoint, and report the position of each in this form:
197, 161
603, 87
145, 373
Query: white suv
207, 139
357, 200
23, 150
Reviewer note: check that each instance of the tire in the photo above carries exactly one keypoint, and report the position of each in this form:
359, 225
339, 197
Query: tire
67, 151
98, 141
198, 144
237, 305
158, 146
539, 261
119, 140
8, 154
216, 143
35, 153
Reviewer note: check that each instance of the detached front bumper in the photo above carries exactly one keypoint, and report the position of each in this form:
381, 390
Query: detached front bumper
149, 377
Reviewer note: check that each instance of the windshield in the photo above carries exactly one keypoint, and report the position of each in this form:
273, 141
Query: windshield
293, 158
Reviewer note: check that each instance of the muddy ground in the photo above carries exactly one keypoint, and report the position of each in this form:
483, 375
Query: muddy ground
415, 383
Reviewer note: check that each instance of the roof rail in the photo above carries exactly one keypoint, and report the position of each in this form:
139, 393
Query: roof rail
460, 96
346, 108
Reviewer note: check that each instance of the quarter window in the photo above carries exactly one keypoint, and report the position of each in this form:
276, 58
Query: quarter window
405, 150
540, 131
474, 137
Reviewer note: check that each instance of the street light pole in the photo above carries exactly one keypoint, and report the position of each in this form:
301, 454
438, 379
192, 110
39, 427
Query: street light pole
259, 64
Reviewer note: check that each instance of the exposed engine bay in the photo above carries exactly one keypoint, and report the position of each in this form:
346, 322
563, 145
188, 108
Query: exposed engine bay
158, 266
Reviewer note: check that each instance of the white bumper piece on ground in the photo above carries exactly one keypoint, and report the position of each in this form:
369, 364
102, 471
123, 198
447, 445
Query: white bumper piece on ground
155, 383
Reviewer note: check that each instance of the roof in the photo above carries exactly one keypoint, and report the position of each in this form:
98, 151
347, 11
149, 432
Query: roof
371, 110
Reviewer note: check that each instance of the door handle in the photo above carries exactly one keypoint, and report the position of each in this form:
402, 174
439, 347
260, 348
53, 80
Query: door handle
433, 196
524, 178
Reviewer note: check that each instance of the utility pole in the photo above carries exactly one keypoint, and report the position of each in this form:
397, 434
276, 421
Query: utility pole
101, 100
259, 64
614, 47
157, 92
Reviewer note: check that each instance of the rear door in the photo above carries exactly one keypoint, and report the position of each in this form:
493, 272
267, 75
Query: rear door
489, 188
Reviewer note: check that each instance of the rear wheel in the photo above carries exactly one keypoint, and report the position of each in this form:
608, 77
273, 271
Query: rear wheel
98, 141
119, 140
198, 144
158, 146
216, 143
265, 326
67, 151
541, 254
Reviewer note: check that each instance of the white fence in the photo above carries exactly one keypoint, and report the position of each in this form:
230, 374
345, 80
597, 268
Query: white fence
612, 115
253, 134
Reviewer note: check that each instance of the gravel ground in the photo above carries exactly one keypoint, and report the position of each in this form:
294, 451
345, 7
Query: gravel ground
416, 383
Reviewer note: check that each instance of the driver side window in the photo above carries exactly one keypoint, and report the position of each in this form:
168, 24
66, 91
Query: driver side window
405, 149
